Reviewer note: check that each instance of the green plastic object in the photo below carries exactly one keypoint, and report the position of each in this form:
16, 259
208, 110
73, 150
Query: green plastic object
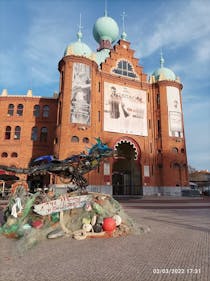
55, 217
98, 209
16, 229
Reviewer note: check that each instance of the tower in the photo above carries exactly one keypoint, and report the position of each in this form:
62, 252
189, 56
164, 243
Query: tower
74, 103
169, 128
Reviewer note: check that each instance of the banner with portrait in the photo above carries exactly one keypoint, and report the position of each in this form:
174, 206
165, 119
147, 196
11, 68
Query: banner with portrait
125, 110
81, 94
174, 112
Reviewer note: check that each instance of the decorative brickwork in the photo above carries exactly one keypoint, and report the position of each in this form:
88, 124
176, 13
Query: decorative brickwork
47, 127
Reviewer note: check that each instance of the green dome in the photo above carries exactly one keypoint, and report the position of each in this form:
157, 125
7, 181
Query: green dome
163, 73
78, 48
105, 28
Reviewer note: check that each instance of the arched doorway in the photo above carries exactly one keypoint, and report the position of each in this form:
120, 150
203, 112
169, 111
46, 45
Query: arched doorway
126, 170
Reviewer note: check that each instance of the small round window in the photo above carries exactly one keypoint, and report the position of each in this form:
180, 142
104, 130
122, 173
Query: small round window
14, 155
4, 155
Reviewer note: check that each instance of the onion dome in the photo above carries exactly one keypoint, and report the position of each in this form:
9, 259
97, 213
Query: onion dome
78, 48
163, 73
105, 32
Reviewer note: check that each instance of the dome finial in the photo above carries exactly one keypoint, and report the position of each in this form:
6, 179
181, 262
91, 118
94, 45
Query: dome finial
163, 73
105, 9
161, 58
123, 35
78, 48
79, 33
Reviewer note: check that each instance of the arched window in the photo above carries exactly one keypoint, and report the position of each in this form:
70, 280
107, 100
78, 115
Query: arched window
34, 134
43, 134
36, 110
14, 155
4, 155
10, 111
20, 109
182, 150
85, 140
124, 68
17, 132
74, 139
175, 150
46, 110
8, 133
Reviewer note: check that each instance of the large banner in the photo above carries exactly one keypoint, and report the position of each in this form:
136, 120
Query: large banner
80, 98
174, 112
125, 110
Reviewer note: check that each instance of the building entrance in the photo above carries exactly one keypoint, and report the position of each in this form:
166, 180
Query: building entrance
38, 181
126, 172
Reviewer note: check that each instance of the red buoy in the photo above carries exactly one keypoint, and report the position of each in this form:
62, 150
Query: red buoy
109, 224
37, 224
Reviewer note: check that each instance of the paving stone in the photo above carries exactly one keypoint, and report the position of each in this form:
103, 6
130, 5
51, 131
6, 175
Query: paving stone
178, 242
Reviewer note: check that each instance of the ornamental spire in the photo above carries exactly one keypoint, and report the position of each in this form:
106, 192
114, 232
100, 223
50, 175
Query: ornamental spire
161, 58
123, 35
79, 33
105, 8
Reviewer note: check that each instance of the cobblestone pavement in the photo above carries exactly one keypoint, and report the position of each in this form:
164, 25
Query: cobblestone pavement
178, 243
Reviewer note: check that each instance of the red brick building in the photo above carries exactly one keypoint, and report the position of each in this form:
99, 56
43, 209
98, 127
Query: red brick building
107, 94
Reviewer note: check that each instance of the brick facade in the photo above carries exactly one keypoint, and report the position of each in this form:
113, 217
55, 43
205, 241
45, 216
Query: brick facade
159, 159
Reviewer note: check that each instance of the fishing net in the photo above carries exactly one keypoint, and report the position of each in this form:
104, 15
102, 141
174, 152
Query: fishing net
37, 217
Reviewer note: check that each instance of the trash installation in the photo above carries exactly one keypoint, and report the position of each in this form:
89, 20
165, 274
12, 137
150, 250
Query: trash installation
78, 213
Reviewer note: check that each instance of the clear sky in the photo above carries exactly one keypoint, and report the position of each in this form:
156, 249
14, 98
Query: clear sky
35, 33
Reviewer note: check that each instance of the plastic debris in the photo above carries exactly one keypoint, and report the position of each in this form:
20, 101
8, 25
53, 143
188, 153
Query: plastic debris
37, 224
117, 219
16, 208
78, 214
97, 214
109, 224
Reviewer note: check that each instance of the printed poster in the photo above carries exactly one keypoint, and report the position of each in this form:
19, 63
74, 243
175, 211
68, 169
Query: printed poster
125, 110
174, 112
81, 94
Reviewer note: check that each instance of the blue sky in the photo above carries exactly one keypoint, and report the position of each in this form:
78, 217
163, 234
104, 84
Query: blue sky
35, 33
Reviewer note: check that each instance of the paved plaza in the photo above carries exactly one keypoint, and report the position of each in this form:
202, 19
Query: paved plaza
176, 248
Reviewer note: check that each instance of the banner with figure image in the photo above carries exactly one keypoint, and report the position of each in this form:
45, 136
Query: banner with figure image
125, 110
174, 112
81, 92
